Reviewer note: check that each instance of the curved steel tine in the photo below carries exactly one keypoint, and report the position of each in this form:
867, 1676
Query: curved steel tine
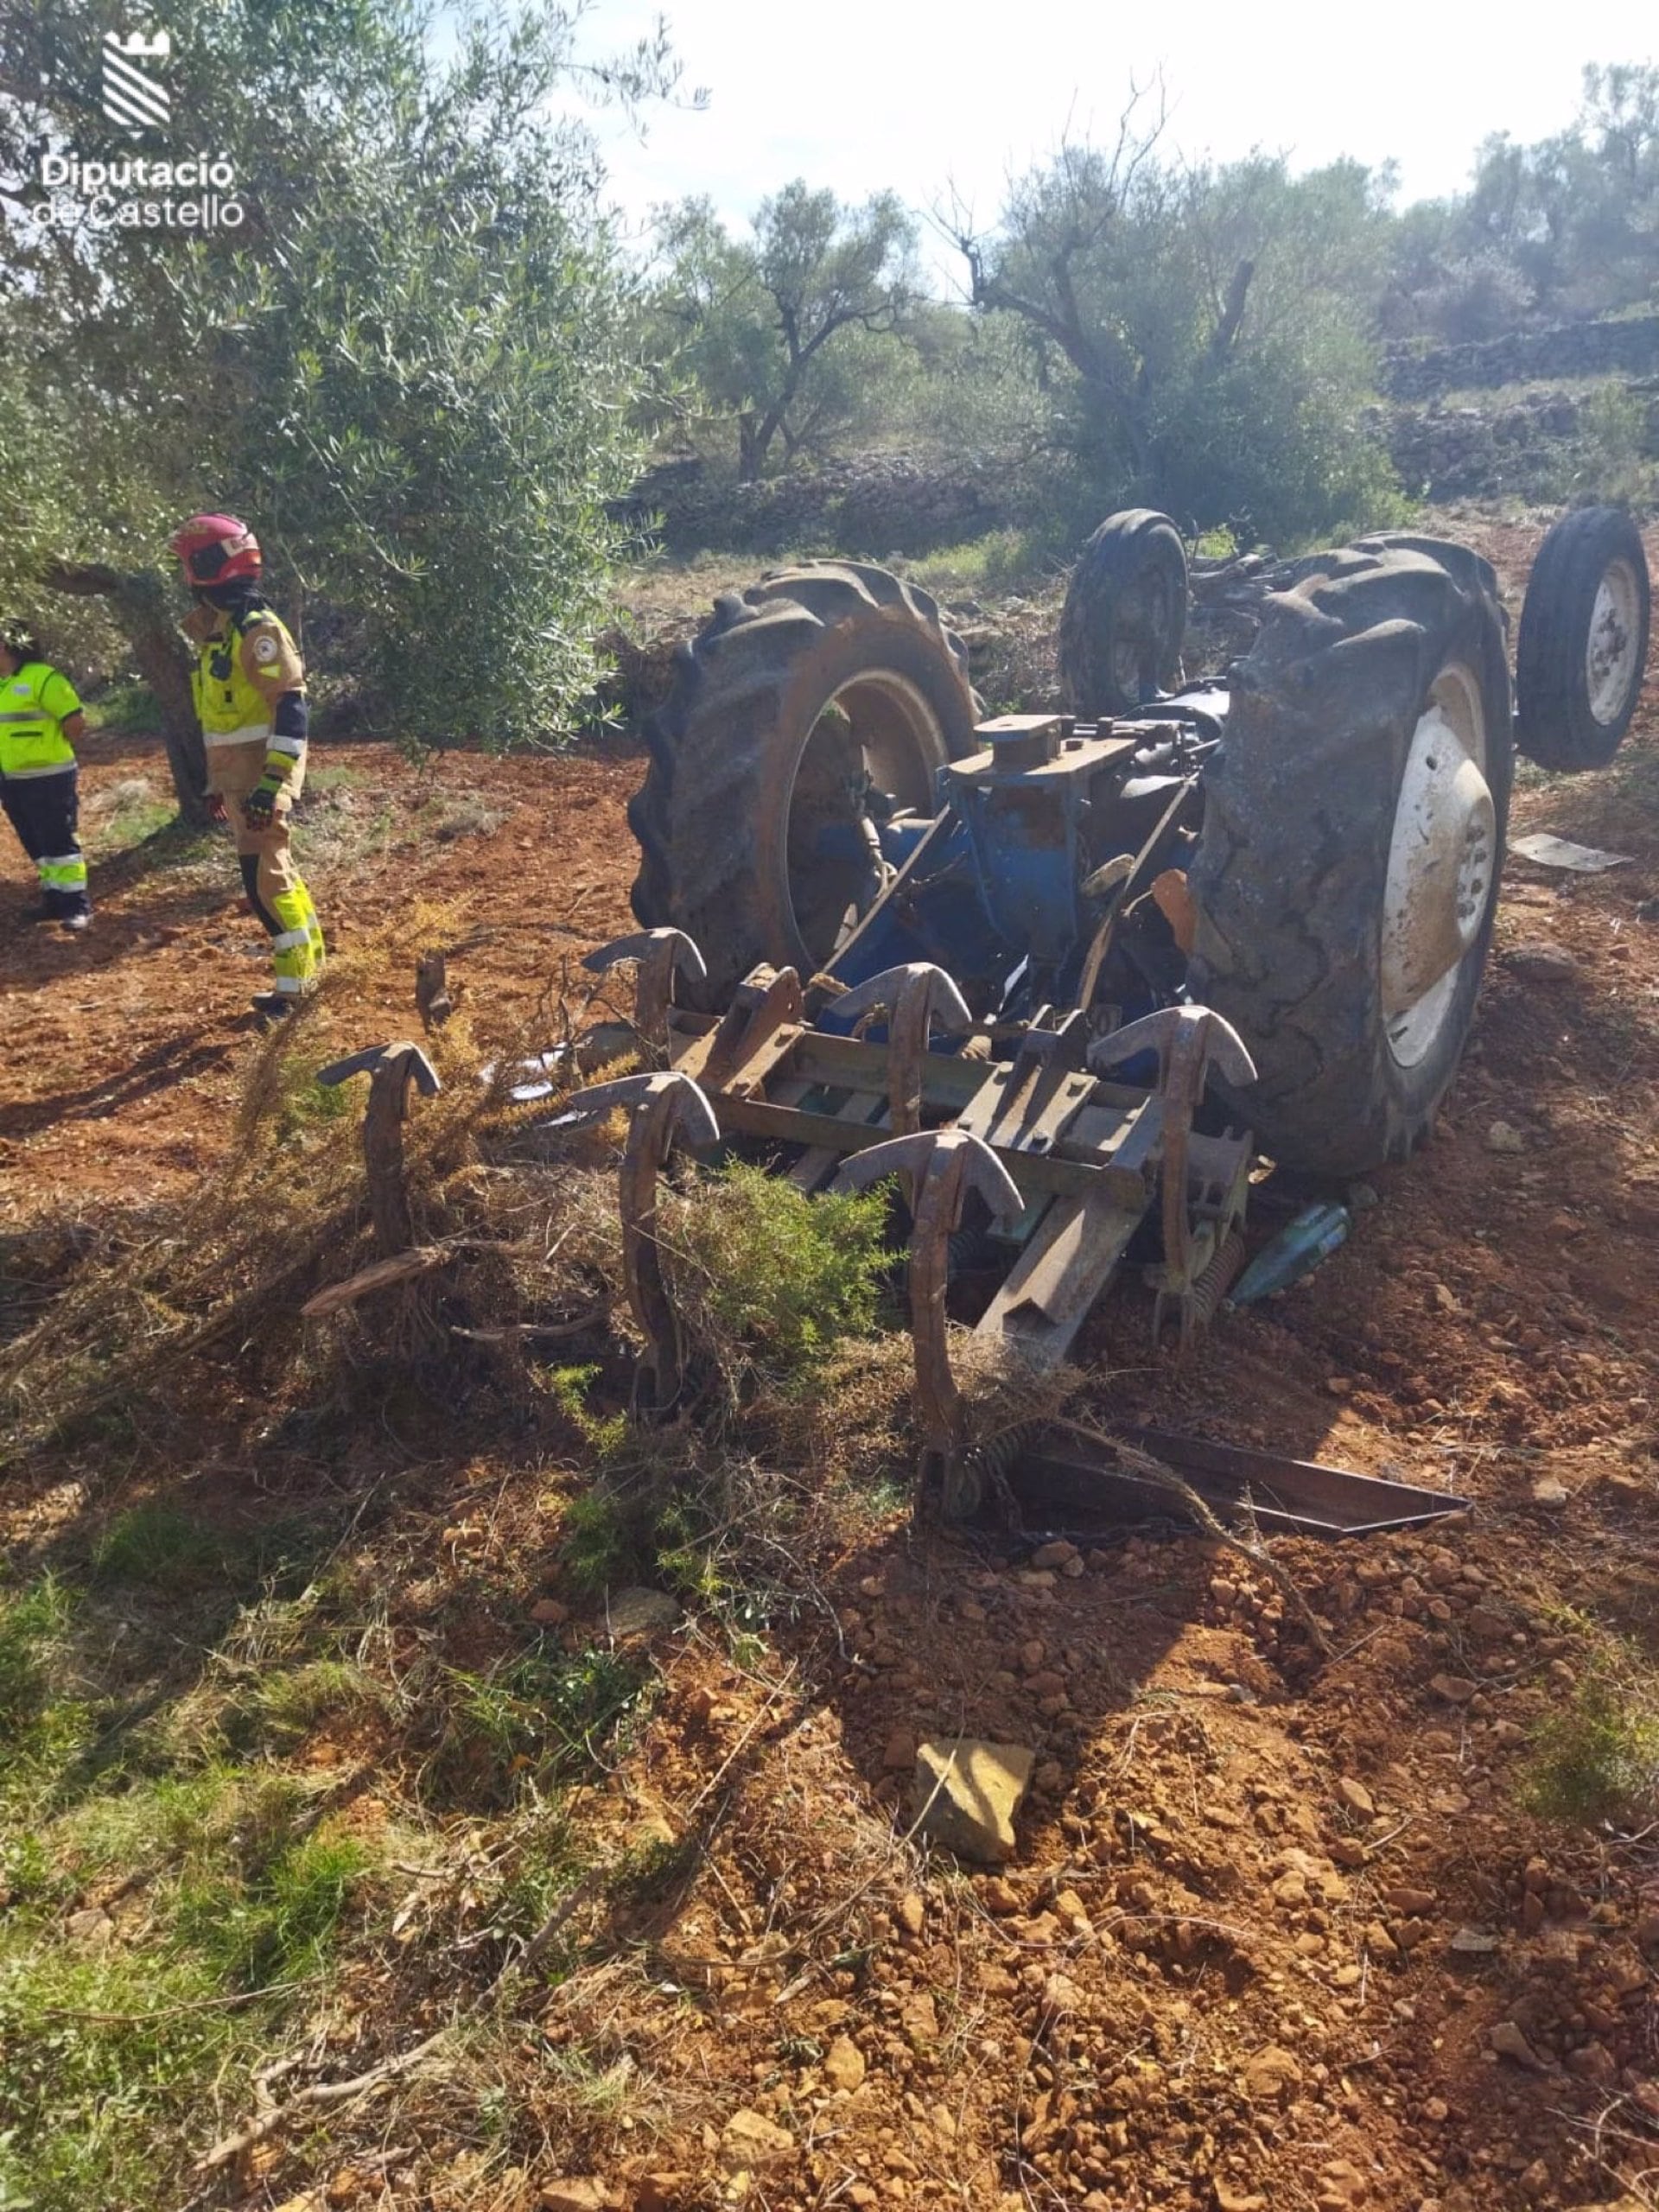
917, 998
949, 1014
903, 1156
693, 1117
662, 954
1222, 1045
1153, 1033
1226, 1050
639, 945
419, 1070
392, 1070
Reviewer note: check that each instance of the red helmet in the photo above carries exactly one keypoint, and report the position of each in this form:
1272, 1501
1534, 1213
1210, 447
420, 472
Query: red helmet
216, 550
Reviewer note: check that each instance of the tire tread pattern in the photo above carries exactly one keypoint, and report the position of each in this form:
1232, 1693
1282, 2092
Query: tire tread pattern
698, 817
1292, 860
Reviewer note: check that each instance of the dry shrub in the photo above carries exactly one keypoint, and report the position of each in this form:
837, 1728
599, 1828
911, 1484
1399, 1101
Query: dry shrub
859, 1426
284, 1212
801, 1404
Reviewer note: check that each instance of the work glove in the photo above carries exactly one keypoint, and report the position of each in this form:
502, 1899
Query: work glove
260, 804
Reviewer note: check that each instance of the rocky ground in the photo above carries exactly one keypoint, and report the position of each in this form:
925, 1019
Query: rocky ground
1283, 1923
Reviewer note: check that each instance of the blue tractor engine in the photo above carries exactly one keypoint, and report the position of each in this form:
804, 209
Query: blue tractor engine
1045, 836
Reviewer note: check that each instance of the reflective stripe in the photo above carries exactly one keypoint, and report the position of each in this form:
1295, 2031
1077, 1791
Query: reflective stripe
29, 714
245, 736
289, 939
68, 874
290, 748
293, 985
28, 775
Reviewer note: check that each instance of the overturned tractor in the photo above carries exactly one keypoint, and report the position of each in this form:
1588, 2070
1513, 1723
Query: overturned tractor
1065, 976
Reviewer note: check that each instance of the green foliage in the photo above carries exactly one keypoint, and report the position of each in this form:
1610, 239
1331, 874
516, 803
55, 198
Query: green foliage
544, 1867
110, 2048
786, 336
155, 1543
1565, 227
1596, 1759
600, 1538
31, 1625
772, 1280
1001, 560
277, 1920
1615, 439
102, 2061
410, 367
131, 814
305, 1103
130, 708
1204, 331
41, 1727
606, 1435
536, 1718
288, 1705
164, 1548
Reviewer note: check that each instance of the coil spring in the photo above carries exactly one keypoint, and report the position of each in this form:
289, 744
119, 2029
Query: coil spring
1213, 1285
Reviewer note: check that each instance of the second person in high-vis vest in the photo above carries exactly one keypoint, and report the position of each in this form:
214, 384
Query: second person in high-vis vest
249, 684
41, 723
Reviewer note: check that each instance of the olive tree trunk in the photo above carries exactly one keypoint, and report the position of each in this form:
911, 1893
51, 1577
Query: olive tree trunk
139, 605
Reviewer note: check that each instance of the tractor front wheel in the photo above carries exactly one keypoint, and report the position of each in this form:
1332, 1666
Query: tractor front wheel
1583, 647
1346, 872
1124, 615
814, 703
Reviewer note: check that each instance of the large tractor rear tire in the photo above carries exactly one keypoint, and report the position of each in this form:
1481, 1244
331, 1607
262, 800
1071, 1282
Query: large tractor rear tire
1124, 615
1583, 646
811, 702
1346, 873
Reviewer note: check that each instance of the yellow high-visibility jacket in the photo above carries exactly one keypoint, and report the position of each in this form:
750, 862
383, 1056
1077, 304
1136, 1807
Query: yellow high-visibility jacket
35, 704
239, 678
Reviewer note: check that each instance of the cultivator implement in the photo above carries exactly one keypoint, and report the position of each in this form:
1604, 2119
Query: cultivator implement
1053, 977
1041, 1160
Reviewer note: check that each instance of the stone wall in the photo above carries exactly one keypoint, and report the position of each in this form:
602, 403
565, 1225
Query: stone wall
1628, 347
873, 503
1538, 447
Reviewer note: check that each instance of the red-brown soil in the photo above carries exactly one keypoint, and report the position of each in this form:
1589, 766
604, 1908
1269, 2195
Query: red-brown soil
1279, 1932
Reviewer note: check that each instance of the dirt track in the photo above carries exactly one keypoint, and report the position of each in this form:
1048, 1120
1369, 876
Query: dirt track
1221, 1973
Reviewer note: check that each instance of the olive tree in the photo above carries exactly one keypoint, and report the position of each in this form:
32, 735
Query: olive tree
407, 366
1205, 327
785, 336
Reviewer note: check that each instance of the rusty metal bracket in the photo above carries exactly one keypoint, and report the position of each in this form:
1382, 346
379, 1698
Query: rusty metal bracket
392, 1071
663, 1109
1189, 1040
662, 955
917, 999
941, 1166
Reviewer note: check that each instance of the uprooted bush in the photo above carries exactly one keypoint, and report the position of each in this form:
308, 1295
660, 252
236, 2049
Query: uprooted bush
770, 1281
799, 1403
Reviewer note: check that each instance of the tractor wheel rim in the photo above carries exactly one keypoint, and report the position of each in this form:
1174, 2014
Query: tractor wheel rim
1442, 872
898, 740
1610, 665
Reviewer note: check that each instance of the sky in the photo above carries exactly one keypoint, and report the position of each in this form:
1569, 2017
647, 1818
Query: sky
911, 94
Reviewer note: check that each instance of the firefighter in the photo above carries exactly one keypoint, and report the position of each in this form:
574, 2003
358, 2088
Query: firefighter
249, 685
41, 724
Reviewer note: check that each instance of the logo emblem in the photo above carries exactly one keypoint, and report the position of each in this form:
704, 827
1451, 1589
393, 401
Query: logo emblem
132, 98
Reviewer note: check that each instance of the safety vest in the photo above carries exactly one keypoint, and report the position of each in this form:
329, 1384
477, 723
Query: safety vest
32, 742
232, 710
